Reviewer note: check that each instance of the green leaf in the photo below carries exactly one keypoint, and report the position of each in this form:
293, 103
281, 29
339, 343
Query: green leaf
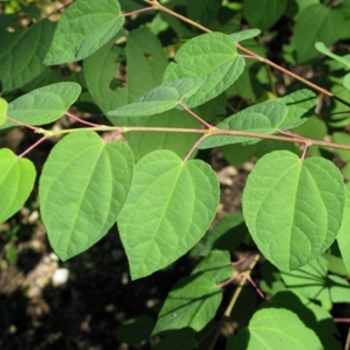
183, 339
3, 110
160, 99
313, 316
82, 188
263, 14
346, 81
316, 23
263, 118
17, 176
84, 27
321, 47
142, 143
343, 237
343, 139
275, 328
228, 234
184, 199
299, 104
293, 208
313, 282
22, 53
212, 57
217, 264
245, 34
100, 67
43, 105
192, 302
135, 330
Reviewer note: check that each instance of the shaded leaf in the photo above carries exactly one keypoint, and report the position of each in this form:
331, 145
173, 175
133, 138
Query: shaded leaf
22, 54
135, 330
228, 234
183, 339
275, 328
192, 302
299, 104
316, 23
313, 316
263, 14
313, 282
218, 264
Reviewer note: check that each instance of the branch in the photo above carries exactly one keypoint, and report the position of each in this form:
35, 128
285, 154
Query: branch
208, 132
158, 6
245, 276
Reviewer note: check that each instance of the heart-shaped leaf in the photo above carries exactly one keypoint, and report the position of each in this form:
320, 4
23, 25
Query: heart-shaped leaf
293, 208
170, 206
82, 188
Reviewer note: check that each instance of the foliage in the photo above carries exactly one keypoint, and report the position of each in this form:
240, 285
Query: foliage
155, 185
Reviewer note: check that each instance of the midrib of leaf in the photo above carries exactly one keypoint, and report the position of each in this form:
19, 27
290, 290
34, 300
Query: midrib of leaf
151, 242
64, 168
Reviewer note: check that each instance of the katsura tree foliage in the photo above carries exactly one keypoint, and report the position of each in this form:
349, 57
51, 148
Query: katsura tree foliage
209, 86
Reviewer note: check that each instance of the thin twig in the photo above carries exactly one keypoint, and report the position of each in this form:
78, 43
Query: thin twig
194, 148
208, 132
126, 14
194, 115
33, 146
160, 7
244, 277
347, 344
